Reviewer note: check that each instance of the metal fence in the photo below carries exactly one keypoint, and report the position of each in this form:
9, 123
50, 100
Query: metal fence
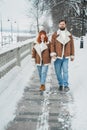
14, 56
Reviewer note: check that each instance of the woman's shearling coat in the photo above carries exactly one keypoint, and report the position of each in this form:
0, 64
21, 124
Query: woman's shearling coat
41, 56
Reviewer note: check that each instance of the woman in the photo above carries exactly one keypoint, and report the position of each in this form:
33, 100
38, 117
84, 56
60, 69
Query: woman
41, 54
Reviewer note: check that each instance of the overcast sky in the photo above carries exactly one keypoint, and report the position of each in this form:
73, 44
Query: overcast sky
15, 10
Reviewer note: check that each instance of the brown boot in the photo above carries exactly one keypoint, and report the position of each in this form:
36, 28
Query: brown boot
42, 87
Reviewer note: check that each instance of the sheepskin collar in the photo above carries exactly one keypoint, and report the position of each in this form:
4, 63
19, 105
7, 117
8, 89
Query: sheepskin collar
40, 49
65, 39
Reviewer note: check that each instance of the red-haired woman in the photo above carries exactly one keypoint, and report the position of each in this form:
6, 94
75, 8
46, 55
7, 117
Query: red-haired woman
41, 54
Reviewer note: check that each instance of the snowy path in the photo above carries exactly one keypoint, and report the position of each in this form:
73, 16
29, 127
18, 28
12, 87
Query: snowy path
12, 86
50, 110
17, 80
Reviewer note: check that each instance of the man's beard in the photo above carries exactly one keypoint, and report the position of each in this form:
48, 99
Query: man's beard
62, 29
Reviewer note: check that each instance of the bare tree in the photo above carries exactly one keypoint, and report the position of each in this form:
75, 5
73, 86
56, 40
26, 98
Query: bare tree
36, 11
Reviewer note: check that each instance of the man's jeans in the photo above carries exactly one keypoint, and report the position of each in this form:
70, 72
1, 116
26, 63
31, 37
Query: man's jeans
43, 69
61, 69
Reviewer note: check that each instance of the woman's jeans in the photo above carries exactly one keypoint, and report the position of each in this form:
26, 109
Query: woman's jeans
43, 69
61, 70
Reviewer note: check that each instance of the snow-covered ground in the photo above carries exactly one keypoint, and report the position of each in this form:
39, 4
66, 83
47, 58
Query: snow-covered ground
78, 80
17, 79
14, 83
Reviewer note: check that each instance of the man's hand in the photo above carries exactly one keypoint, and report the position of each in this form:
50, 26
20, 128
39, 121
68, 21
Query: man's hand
72, 58
53, 57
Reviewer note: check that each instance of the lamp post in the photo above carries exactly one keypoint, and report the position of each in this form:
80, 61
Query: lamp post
17, 31
82, 19
1, 34
11, 30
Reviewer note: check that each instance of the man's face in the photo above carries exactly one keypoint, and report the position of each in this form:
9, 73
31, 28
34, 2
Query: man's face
62, 25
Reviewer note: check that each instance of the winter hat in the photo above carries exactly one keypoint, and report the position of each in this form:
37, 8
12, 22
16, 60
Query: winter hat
41, 28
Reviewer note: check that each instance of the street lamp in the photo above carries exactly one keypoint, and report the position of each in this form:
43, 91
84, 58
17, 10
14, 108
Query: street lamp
83, 2
11, 29
17, 31
1, 34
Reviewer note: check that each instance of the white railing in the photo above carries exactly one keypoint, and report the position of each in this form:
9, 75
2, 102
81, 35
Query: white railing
12, 55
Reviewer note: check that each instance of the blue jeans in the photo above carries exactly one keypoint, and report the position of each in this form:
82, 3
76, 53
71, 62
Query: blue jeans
61, 70
43, 69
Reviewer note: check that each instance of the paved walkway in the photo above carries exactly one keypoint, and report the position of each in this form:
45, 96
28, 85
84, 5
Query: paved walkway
50, 110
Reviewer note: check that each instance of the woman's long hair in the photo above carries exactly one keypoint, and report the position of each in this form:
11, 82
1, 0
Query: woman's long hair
39, 36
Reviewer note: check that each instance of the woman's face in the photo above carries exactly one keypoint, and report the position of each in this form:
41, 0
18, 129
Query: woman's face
42, 37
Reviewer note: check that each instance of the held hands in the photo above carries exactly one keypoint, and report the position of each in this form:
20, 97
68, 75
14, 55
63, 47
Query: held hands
53, 58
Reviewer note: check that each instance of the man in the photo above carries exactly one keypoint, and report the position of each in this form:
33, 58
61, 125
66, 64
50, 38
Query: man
62, 48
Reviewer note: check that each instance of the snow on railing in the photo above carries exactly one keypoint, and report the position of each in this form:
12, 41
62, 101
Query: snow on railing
11, 55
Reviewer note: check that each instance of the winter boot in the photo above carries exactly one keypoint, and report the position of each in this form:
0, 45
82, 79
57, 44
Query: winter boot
42, 87
66, 88
60, 88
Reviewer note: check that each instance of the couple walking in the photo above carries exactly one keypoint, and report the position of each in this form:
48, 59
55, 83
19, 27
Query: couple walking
59, 49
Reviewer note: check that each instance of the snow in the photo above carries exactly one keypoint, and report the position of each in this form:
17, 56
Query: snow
14, 82
78, 73
42, 123
7, 65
